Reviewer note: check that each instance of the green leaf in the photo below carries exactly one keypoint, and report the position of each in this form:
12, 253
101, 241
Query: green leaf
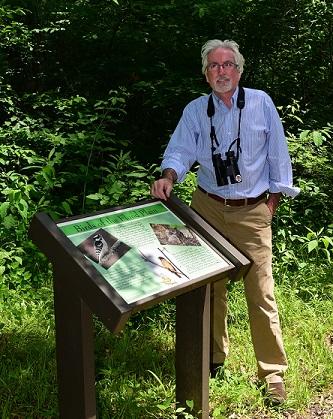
313, 244
304, 134
163, 406
3, 209
318, 139
9, 221
136, 174
22, 207
18, 259
94, 196
190, 404
180, 409
66, 207
327, 241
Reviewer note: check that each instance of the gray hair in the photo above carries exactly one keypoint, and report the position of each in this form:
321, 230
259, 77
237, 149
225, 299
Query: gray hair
216, 43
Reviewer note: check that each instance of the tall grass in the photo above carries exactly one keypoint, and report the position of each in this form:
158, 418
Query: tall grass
135, 375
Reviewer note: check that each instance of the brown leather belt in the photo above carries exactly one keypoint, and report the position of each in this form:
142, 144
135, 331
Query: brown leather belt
234, 202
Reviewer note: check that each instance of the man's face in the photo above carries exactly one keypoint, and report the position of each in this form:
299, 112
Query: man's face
222, 80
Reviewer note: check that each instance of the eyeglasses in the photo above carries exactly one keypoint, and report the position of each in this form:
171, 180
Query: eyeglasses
227, 65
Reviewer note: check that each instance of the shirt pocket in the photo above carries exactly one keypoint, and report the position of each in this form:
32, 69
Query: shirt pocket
254, 145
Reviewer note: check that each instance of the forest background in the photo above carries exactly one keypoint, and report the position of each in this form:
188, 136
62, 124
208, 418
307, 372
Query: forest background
90, 92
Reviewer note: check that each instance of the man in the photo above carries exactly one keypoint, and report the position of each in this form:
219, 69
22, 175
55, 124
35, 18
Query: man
237, 138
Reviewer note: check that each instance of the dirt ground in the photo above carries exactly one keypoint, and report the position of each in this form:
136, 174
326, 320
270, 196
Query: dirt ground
321, 408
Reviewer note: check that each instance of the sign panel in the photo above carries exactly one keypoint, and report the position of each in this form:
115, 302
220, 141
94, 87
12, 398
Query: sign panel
143, 250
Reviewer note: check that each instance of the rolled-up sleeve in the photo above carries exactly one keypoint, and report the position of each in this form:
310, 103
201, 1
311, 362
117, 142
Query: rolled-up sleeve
180, 153
280, 170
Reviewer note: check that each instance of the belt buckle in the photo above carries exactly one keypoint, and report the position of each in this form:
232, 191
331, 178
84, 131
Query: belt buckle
225, 202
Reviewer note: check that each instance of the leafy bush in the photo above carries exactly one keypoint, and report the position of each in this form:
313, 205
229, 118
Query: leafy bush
61, 156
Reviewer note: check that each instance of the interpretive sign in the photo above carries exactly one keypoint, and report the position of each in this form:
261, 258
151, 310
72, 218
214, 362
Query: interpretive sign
144, 250
123, 260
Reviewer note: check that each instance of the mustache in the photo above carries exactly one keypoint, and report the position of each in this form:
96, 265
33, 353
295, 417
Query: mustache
223, 78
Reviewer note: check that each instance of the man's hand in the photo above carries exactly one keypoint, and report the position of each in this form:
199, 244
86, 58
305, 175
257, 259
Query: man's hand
162, 188
273, 202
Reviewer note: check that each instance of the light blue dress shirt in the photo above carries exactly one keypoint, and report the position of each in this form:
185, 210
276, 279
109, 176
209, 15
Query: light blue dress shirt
264, 162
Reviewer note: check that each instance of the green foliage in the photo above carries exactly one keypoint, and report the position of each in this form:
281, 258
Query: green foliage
27, 354
15, 36
54, 155
88, 100
75, 49
185, 189
307, 219
125, 182
25, 181
311, 153
318, 243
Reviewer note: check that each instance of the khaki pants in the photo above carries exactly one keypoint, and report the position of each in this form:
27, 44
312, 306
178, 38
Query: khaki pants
249, 229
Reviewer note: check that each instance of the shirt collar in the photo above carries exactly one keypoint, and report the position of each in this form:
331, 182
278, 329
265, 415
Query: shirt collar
219, 102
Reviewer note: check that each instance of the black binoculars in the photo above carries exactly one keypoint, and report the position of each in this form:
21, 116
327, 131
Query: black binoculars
227, 168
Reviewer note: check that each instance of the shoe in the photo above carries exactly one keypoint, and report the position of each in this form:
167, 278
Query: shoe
215, 369
276, 393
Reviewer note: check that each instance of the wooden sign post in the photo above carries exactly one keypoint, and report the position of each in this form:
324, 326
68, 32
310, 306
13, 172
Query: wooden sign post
123, 260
